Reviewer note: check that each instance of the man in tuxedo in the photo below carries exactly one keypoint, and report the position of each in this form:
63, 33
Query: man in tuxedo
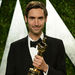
23, 53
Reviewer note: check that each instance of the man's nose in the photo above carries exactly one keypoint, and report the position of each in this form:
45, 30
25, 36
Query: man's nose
36, 22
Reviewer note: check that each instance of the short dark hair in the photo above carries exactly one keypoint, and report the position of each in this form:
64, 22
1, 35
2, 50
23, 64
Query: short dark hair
35, 4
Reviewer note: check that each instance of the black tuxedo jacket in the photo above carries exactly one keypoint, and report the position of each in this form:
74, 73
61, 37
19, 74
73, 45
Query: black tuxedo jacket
19, 59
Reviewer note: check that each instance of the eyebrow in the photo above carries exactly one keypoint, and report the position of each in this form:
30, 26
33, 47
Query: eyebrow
41, 17
31, 17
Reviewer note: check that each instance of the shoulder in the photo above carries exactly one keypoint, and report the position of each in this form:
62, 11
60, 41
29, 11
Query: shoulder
53, 39
55, 43
20, 41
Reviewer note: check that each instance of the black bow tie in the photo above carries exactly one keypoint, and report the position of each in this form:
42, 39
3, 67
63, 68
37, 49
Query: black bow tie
34, 43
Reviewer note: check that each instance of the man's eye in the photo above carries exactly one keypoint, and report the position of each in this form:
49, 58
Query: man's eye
40, 18
32, 18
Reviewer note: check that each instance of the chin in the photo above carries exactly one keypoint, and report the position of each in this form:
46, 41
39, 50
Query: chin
37, 33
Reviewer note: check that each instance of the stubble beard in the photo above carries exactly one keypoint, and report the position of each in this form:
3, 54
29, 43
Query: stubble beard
36, 33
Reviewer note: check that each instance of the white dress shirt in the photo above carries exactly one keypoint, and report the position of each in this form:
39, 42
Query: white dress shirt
34, 51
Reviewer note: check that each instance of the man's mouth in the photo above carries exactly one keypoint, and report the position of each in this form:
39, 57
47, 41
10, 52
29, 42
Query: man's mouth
36, 28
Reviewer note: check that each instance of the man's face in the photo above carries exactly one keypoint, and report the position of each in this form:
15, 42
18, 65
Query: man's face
36, 20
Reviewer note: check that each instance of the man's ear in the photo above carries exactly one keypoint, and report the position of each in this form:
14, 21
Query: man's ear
25, 19
46, 19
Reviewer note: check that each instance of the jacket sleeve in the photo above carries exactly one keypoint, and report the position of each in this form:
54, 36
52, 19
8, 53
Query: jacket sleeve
60, 61
10, 69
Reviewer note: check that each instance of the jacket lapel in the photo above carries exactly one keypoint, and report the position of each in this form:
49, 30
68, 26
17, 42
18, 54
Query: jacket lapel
27, 56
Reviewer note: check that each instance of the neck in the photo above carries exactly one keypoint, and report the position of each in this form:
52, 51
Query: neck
35, 36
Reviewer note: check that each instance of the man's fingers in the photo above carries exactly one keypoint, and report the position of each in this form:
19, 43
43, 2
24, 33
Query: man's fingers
38, 57
37, 61
40, 63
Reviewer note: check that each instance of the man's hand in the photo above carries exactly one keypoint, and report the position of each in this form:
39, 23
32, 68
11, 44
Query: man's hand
40, 63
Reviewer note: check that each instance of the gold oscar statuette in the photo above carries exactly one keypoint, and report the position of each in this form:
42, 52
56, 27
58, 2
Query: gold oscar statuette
41, 48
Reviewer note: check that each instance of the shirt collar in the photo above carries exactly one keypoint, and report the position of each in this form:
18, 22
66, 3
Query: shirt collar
42, 36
